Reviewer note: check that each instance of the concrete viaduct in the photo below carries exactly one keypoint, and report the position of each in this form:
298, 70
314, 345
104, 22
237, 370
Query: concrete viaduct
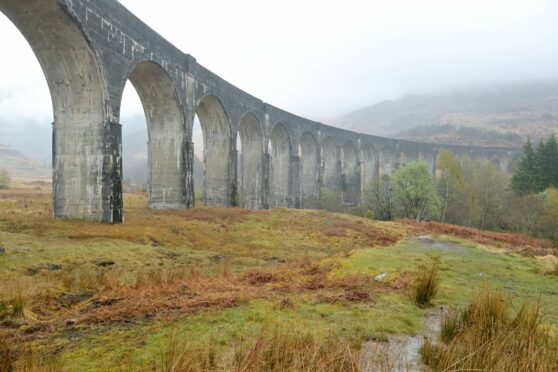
89, 49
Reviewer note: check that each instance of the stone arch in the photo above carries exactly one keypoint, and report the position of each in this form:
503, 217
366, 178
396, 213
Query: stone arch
350, 174
381, 164
386, 162
495, 160
403, 158
330, 163
514, 163
217, 151
428, 157
309, 164
250, 170
280, 167
86, 170
369, 166
166, 134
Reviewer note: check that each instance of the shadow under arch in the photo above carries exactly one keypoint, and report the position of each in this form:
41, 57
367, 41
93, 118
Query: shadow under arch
167, 186
250, 164
309, 166
215, 125
87, 182
280, 167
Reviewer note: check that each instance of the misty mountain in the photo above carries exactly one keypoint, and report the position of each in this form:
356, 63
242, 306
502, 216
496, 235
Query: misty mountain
30, 137
526, 109
19, 165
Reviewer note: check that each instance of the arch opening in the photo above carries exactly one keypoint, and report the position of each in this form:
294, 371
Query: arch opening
86, 170
166, 181
350, 175
280, 153
215, 126
250, 163
310, 190
370, 166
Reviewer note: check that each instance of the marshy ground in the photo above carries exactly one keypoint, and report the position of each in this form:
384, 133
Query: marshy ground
216, 285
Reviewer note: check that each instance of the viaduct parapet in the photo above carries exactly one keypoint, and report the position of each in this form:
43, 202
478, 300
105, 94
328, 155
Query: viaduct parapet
256, 155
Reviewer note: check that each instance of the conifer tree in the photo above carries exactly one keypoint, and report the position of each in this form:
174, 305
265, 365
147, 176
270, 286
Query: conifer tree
525, 179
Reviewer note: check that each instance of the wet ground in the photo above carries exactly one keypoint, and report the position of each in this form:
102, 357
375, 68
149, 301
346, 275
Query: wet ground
400, 352
397, 353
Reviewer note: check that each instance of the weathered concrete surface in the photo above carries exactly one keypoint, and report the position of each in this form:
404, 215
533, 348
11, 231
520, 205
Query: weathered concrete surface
256, 155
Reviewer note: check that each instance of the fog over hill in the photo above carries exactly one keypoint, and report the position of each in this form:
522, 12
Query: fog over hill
19, 165
501, 114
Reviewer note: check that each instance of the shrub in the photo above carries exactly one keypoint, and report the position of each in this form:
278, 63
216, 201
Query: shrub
330, 200
487, 336
426, 283
452, 325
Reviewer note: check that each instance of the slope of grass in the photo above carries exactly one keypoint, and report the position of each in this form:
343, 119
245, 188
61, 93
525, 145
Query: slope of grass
104, 297
463, 269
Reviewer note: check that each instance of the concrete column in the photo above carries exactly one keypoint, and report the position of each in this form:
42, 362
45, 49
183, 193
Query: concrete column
233, 176
360, 198
188, 154
295, 191
87, 172
266, 188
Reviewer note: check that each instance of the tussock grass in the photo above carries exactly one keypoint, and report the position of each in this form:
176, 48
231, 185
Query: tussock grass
426, 283
25, 358
278, 351
487, 336
180, 356
16, 299
295, 351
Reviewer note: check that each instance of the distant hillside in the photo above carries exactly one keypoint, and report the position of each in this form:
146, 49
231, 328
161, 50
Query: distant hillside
456, 135
528, 109
19, 165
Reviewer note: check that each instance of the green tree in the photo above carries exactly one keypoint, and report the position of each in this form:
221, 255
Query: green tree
330, 200
380, 197
451, 188
5, 180
550, 162
548, 223
415, 190
523, 213
487, 192
525, 179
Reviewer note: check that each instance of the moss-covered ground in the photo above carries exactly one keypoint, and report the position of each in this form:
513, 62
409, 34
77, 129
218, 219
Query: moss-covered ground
113, 297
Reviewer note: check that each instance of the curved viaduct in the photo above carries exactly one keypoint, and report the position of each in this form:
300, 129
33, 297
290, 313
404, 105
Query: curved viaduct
88, 50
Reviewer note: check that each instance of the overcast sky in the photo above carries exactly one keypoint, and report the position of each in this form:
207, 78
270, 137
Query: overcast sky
321, 59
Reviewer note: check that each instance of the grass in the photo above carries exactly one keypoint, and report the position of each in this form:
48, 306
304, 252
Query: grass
487, 336
465, 266
280, 350
216, 285
426, 283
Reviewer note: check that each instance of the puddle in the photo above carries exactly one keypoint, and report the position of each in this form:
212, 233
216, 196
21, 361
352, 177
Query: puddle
426, 241
400, 352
